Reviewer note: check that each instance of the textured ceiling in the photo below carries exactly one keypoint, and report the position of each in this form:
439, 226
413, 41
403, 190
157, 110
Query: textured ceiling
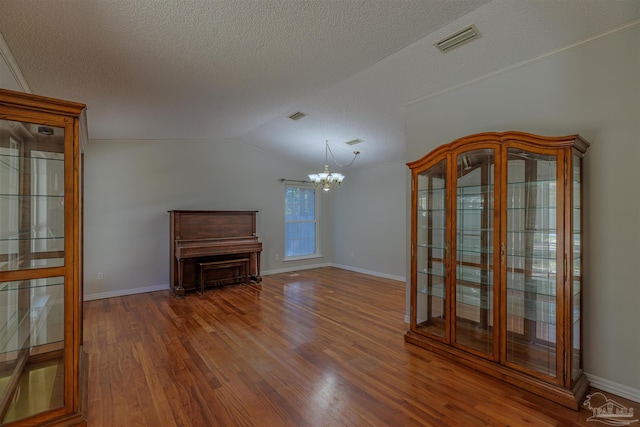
235, 69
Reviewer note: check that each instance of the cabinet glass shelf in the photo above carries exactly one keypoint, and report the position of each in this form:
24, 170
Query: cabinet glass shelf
539, 255
474, 250
539, 285
42, 322
11, 157
466, 189
545, 183
470, 275
435, 290
32, 236
32, 186
470, 231
432, 228
472, 297
430, 210
436, 270
538, 311
431, 246
30, 284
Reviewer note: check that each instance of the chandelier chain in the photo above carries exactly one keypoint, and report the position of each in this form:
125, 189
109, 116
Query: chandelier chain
355, 155
327, 180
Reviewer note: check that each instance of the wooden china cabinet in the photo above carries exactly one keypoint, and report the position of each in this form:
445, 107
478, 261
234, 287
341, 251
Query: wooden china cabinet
42, 365
496, 258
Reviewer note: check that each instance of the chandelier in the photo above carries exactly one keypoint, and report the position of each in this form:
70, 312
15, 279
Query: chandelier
326, 180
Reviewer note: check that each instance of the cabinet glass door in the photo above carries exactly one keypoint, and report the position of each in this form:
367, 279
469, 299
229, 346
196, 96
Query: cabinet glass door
32, 230
474, 218
531, 265
431, 251
576, 361
31, 196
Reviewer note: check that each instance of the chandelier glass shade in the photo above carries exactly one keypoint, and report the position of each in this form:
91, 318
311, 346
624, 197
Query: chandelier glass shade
327, 180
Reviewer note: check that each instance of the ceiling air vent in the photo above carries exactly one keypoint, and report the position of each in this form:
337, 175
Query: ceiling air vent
354, 141
458, 39
297, 115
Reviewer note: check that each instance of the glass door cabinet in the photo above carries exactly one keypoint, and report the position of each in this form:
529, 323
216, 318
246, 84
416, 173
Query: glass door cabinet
496, 265
41, 360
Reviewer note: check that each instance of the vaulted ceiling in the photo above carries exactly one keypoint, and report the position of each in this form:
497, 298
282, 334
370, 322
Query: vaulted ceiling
236, 69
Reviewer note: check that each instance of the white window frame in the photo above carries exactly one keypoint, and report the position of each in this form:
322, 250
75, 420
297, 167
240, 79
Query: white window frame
317, 253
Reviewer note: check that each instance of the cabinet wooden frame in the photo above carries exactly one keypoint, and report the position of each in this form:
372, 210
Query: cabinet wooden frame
545, 310
69, 391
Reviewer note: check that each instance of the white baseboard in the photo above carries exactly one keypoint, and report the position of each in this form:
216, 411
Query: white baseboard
294, 268
369, 272
124, 292
329, 264
614, 388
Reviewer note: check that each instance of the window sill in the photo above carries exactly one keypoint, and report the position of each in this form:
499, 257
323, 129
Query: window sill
305, 257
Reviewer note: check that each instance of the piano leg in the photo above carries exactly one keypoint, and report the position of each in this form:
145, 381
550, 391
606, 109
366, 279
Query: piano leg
255, 267
258, 276
179, 289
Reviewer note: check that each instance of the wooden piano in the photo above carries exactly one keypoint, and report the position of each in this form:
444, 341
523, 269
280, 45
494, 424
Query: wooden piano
200, 238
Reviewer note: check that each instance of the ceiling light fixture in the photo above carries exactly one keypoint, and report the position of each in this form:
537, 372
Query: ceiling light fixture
326, 180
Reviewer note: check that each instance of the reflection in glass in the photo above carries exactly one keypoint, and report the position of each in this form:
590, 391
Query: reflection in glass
31, 196
531, 260
431, 250
474, 250
576, 307
32, 325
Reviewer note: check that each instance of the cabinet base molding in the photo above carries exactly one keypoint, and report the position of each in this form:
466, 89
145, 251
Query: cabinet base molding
571, 398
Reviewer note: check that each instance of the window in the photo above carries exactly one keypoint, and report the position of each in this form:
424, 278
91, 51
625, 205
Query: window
301, 222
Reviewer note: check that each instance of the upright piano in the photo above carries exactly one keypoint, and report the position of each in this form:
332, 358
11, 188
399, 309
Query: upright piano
199, 237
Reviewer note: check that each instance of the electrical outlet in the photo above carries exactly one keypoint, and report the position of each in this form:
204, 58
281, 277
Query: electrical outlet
100, 276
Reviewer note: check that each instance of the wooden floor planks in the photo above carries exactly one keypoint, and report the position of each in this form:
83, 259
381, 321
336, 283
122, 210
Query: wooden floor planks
320, 347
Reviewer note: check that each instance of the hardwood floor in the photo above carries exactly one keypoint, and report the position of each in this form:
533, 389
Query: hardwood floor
321, 347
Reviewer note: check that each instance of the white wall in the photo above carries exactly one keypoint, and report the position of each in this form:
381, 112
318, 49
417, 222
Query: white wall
369, 221
594, 90
130, 186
